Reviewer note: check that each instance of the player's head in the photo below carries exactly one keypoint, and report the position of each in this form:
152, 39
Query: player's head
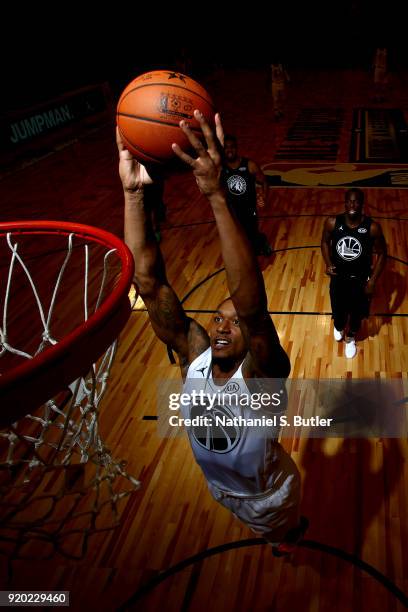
354, 201
227, 341
230, 147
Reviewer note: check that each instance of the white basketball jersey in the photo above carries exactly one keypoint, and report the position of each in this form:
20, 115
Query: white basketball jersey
237, 458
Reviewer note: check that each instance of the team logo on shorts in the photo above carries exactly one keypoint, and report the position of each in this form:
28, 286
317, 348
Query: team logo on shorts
215, 437
349, 248
236, 184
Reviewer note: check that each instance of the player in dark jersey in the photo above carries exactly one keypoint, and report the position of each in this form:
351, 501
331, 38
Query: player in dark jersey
240, 176
242, 337
348, 243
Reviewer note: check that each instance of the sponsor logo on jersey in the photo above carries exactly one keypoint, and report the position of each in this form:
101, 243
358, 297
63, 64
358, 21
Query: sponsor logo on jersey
236, 184
215, 437
362, 230
349, 248
232, 387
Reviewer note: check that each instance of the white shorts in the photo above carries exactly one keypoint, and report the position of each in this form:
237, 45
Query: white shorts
271, 513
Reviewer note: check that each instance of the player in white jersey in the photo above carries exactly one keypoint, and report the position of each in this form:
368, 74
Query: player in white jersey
257, 480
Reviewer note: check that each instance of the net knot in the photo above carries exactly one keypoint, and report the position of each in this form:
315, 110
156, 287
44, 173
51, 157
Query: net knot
46, 336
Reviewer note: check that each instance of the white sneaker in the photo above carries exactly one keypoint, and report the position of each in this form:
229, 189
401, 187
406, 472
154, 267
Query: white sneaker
351, 349
338, 335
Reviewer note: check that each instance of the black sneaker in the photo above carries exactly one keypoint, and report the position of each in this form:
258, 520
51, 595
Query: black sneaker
292, 538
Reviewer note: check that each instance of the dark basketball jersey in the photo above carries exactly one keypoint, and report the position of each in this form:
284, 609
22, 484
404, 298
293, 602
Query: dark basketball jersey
241, 189
351, 248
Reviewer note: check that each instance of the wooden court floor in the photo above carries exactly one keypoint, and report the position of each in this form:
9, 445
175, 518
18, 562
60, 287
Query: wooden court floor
354, 491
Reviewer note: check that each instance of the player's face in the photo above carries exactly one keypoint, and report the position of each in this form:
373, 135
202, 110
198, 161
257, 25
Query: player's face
230, 150
353, 205
225, 333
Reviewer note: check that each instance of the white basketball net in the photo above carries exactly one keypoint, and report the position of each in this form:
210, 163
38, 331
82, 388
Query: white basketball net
58, 481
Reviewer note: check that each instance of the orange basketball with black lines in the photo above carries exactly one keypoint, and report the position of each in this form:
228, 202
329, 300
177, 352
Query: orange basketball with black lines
150, 109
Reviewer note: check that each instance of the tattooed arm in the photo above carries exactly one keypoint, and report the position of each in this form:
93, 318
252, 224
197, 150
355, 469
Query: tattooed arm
168, 319
266, 357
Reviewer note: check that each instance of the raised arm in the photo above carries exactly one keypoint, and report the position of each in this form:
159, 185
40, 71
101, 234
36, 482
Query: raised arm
325, 245
168, 319
266, 357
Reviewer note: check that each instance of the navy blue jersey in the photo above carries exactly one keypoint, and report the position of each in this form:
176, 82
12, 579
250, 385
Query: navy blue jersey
240, 185
352, 248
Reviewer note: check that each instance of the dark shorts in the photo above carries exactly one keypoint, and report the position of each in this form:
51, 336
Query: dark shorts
349, 301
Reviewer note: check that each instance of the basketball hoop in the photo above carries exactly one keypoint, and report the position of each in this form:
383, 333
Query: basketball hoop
37, 378
57, 345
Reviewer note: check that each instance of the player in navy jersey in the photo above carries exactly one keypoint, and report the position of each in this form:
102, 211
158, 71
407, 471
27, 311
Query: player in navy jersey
348, 243
250, 475
246, 188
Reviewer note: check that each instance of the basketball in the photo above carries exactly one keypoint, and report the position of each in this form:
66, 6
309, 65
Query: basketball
150, 109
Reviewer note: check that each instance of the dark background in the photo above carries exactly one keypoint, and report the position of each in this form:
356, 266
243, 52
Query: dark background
45, 53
